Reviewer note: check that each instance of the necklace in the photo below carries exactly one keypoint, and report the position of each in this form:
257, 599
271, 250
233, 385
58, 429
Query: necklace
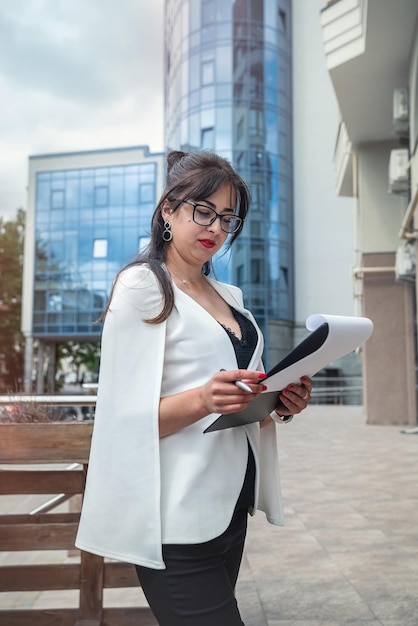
184, 281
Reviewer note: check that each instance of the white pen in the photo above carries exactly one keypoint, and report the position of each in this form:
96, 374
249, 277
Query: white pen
241, 384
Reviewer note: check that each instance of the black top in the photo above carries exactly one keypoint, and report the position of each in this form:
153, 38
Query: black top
244, 349
245, 346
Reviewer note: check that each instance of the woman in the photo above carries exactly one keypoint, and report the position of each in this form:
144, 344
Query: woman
160, 492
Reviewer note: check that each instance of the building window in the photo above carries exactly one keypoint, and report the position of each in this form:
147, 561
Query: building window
256, 230
284, 276
256, 124
101, 196
100, 248
208, 73
54, 301
258, 196
240, 129
282, 19
57, 199
208, 12
257, 160
241, 161
207, 139
257, 271
146, 193
240, 275
143, 242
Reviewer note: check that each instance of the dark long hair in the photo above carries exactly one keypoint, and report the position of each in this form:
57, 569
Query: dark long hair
195, 175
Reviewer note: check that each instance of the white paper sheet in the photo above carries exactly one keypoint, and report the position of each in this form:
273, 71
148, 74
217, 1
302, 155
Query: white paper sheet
345, 334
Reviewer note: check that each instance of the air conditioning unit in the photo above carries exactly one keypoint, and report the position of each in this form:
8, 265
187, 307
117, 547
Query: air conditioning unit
400, 116
399, 171
405, 263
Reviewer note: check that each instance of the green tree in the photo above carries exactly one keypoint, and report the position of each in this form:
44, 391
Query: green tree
86, 353
11, 265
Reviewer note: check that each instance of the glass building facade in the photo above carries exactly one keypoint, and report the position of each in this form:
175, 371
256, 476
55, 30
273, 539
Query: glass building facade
228, 89
89, 220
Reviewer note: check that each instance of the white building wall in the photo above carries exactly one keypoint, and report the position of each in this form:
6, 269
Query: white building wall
381, 211
413, 116
324, 223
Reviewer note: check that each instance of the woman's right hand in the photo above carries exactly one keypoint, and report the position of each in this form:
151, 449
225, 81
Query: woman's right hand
218, 395
221, 395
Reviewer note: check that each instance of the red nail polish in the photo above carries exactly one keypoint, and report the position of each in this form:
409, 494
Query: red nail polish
264, 388
291, 387
262, 376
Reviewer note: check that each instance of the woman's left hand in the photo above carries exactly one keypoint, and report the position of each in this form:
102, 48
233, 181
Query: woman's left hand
295, 398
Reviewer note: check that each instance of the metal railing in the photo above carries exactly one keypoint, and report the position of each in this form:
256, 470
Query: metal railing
337, 390
79, 402
54, 400
326, 390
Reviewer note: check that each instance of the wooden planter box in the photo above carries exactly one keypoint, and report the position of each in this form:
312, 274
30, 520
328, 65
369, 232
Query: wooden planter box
53, 444
45, 442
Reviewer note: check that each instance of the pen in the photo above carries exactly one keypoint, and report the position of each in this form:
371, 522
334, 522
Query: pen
241, 384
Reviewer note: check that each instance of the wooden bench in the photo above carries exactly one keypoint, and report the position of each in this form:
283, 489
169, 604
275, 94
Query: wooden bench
56, 444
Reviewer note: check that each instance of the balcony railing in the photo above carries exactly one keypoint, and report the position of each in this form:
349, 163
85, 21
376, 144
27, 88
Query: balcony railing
344, 30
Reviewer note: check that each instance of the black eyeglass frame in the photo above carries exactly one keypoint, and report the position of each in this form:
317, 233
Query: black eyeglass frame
238, 220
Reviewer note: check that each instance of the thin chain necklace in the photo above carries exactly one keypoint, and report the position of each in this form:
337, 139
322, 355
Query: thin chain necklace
184, 281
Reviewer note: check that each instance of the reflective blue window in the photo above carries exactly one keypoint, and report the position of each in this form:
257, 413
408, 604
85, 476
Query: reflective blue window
208, 12
88, 224
72, 193
86, 191
146, 193
208, 139
57, 199
43, 192
116, 190
101, 195
208, 73
250, 48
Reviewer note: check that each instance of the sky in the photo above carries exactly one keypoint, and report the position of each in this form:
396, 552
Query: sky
76, 75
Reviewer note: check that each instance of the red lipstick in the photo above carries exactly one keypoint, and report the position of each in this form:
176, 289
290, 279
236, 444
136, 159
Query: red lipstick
207, 243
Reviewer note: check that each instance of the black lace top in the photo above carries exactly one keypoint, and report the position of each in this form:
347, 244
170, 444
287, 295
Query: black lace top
245, 346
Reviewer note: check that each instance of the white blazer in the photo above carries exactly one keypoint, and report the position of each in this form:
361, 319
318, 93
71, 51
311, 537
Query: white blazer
143, 491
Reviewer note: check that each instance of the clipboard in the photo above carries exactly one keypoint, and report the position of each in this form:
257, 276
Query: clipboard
332, 337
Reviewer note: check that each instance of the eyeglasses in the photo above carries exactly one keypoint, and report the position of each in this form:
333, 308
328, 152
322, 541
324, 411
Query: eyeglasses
205, 216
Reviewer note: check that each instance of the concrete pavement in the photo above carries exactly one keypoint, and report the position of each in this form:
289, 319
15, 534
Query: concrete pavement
348, 554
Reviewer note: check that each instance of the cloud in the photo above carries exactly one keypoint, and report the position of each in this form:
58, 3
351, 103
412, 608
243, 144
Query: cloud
80, 50
76, 75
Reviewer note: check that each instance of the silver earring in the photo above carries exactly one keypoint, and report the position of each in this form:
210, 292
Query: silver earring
167, 234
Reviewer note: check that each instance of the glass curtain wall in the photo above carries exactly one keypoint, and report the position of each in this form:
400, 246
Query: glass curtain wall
89, 223
228, 88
